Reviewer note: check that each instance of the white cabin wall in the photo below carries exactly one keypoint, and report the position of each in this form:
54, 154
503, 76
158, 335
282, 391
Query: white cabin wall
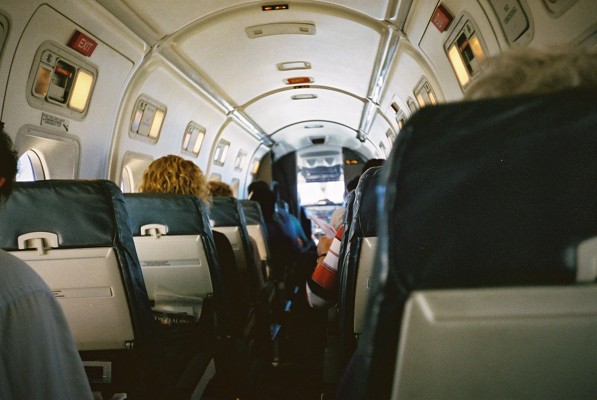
160, 81
421, 51
239, 141
116, 55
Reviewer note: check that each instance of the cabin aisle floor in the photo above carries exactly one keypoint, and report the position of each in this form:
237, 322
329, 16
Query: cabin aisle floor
299, 373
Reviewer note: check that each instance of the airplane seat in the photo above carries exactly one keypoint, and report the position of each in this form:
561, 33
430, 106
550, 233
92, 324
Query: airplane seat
335, 360
257, 230
484, 280
183, 278
75, 235
227, 217
355, 272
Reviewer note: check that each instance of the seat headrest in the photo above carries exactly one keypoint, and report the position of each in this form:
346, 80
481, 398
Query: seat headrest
252, 211
182, 214
226, 211
83, 213
492, 193
365, 204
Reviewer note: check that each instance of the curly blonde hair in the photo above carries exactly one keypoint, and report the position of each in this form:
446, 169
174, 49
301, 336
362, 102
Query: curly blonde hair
174, 175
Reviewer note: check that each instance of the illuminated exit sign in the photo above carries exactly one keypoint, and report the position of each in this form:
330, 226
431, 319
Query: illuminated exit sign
82, 43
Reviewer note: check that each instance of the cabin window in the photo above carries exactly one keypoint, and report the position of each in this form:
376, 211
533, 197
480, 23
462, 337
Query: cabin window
61, 81
221, 152
51, 155
193, 139
424, 93
133, 168
30, 167
147, 119
466, 51
240, 160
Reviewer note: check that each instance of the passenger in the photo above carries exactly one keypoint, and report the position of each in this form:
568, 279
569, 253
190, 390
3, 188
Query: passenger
220, 189
322, 287
527, 70
39, 358
174, 175
283, 242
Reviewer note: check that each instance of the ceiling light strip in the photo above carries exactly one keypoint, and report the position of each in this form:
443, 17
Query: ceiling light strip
385, 58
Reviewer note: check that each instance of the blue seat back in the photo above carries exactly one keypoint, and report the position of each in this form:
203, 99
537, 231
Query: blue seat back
479, 195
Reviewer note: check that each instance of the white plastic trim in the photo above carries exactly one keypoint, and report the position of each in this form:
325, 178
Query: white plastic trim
154, 230
38, 240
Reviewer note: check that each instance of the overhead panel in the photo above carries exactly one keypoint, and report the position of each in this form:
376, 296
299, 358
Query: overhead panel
284, 28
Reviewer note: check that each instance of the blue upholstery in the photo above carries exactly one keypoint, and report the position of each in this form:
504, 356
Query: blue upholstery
362, 214
492, 193
91, 214
226, 212
183, 215
254, 216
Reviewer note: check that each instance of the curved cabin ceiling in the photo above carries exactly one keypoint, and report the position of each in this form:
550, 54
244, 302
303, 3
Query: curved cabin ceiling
235, 52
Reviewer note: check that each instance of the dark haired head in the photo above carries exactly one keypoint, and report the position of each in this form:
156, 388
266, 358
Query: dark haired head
374, 162
8, 164
258, 186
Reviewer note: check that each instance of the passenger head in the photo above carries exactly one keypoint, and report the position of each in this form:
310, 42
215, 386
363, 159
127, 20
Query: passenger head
528, 70
260, 192
258, 186
8, 165
174, 175
374, 162
220, 189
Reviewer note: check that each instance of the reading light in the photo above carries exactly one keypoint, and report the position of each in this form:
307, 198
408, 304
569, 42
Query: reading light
274, 7
42, 81
476, 47
156, 125
458, 65
306, 96
81, 90
293, 65
314, 126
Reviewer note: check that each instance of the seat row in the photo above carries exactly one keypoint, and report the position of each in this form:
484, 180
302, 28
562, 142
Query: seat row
155, 297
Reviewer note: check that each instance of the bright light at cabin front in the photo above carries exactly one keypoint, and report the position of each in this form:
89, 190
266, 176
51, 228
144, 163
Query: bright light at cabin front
458, 65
